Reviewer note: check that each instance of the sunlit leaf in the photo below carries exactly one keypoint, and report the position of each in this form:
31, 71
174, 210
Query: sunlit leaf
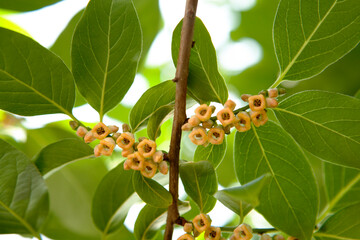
292, 191
204, 82
212, 153
311, 35
344, 224
60, 153
241, 200
154, 99
44, 85
150, 191
155, 121
26, 5
151, 219
106, 49
200, 183
326, 124
24, 201
5, 23
112, 200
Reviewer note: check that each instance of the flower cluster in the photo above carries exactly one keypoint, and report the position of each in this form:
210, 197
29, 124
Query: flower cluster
228, 118
141, 156
242, 232
201, 223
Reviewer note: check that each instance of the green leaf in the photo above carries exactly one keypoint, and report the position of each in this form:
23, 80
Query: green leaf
60, 153
326, 124
44, 85
112, 200
24, 201
26, 5
212, 153
241, 200
106, 49
204, 82
290, 201
156, 120
344, 224
155, 98
311, 35
342, 186
357, 95
151, 219
5, 23
150, 191
200, 183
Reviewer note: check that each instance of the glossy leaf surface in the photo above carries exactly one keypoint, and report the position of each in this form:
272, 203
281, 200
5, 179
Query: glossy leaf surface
204, 82
60, 153
212, 153
24, 201
106, 49
311, 35
344, 224
200, 183
153, 100
326, 124
241, 200
150, 191
156, 120
112, 199
291, 192
44, 85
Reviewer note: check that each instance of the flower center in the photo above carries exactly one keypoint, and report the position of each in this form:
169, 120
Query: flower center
257, 102
100, 131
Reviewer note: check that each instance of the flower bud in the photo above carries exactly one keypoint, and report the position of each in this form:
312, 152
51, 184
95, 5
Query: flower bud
198, 136
140, 139
243, 232
127, 164
163, 167
188, 227
89, 137
202, 222
282, 91
126, 128
126, 140
257, 102
186, 127
216, 135
226, 116
259, 118
243, 122
265, 237
271, 103
245, 97
278, 237
116, 135
147, 148
127, 152
81, 131
97, 150
100, 131
273, 92
74, 125
212, 233
203, 112
194, 121
113, 128
230, 104
158, 156
186, 236
208, 124
149, 169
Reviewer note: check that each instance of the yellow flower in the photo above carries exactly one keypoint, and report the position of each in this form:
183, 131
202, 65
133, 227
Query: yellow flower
149, 169
259, 118
201, 222
243, 122
127, 152
126, 140
203, 112
188, 227
257, 102
101, 131
89, 137
198, 136
230, 104
147, 148
243, 232
212, 233
186, 236
108, 145
97, 150
127, 164
226, 116
137, 161
216, 135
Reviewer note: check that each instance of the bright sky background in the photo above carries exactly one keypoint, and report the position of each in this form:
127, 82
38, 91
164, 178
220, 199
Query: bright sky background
46, 24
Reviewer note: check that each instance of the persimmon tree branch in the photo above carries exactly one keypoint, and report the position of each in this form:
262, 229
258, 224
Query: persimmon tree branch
182, 72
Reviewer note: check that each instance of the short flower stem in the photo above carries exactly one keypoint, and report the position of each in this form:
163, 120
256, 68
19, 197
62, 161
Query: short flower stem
254, 230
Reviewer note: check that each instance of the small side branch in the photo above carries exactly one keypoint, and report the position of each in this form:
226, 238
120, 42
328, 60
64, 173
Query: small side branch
182, 72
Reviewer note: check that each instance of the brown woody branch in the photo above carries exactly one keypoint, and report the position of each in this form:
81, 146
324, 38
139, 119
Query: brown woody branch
182, 72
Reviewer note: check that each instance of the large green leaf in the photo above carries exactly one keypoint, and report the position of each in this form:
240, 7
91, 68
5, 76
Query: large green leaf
344, 225
112, 200
26, 5
326, 124
60, 153
154, 99
24, 201
311, 35
200, 183
5, 23
204, 82
156, 120
212, 153
342, 186
290, 201
150, 191
33, 81
241, 200
151, 219
106, 50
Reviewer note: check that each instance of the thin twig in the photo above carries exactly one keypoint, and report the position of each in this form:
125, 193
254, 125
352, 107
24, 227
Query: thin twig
182, 72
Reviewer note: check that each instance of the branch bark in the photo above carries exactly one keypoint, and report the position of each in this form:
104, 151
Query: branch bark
182, 72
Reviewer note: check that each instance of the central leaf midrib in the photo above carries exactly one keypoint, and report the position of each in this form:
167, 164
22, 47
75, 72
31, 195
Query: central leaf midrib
277, 182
